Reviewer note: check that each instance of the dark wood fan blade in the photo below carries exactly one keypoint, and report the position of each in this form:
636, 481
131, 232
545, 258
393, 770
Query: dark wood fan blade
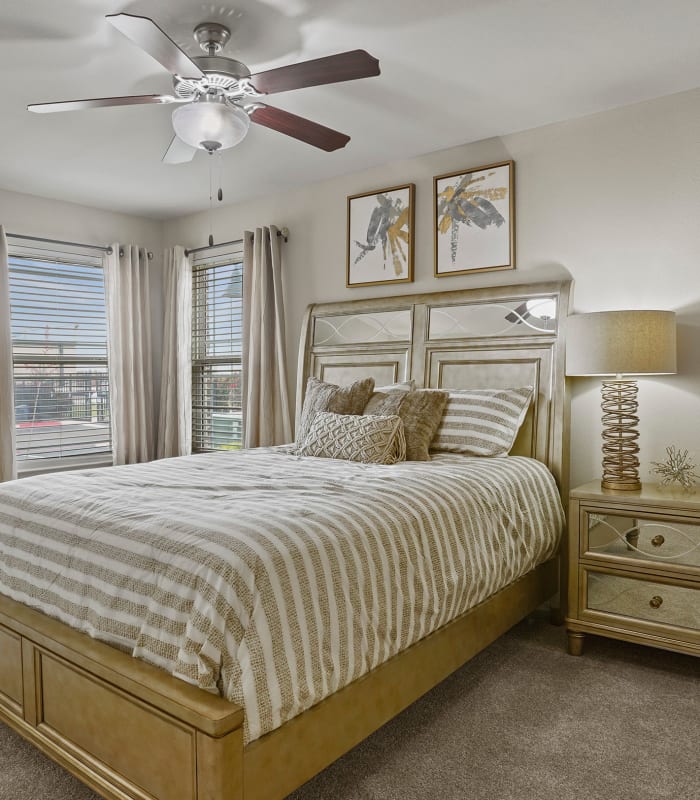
178, 152
303, 129
333, 69
101, 102
144, 32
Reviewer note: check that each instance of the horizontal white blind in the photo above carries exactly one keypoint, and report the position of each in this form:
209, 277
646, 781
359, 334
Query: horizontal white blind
59, 344
217, 379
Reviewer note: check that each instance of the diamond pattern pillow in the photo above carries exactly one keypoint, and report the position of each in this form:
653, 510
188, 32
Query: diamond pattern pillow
321, 396
482, 422
370, 439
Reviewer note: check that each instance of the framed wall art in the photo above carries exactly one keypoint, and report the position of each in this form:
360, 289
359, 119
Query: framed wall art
380, 236
475, 220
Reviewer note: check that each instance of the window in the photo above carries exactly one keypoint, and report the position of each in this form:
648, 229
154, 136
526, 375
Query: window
217, 309
59, 349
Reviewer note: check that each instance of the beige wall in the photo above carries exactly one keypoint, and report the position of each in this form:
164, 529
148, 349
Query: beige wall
613, 199
37, 216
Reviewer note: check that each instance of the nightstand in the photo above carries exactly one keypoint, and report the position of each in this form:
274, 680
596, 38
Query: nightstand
634, 566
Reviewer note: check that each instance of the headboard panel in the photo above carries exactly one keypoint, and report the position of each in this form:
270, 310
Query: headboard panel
506, 336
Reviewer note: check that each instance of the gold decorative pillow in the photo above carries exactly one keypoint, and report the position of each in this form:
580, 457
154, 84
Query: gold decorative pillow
368, 439
321, 396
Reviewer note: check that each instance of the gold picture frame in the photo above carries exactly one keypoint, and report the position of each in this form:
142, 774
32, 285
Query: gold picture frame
474, 220
380, 236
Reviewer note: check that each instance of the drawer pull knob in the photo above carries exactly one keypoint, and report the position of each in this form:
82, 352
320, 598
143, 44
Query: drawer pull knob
656, 601
657, 541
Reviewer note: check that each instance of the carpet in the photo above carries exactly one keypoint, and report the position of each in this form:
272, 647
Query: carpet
521, 720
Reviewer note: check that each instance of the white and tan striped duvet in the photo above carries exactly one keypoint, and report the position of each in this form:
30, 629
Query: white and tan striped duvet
270, 578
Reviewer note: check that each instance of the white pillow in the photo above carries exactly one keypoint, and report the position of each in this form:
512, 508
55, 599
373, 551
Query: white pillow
482, 422
403, 386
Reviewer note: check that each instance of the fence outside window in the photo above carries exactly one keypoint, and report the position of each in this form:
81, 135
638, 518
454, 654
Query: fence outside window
59, 349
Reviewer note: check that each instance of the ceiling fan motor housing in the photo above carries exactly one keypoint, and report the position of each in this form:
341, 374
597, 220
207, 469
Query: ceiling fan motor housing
221, 75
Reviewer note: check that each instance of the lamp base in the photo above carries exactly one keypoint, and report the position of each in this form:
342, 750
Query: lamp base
621, 486
620, 436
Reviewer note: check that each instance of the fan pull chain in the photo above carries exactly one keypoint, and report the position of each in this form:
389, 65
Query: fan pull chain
211, 197
220, 193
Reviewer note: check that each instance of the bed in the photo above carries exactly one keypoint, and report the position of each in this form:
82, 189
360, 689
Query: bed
131, 730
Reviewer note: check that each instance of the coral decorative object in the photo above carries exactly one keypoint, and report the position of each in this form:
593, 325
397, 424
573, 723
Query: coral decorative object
677, 468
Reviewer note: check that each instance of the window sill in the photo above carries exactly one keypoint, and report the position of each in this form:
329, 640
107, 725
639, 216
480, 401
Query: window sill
43, 467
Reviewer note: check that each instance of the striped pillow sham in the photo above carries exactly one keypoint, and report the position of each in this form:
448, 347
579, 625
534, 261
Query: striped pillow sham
482, 422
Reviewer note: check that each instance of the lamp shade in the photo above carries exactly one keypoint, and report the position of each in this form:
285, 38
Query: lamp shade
621, 343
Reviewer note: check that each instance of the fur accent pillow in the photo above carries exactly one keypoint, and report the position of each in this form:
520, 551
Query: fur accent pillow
421, 412
386, 400
370, 439
482, 422
321, 396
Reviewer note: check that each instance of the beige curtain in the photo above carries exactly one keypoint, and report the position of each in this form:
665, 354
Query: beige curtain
266, 417
130, 371
175, 421
8, 463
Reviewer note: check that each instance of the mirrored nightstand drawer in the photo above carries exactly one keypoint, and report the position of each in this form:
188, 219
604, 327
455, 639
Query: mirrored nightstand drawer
657, 540
640, 599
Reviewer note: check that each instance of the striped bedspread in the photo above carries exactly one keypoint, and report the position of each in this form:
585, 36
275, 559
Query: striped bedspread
267, 577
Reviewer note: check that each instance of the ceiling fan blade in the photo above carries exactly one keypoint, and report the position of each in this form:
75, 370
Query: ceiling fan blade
178, 152
303, 129
332, 69
102, 102
144, 32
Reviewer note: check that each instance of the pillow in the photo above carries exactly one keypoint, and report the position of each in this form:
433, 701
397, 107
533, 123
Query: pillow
384, 404
322, 396
421, 412
403, 386
370, 439
386, 400
482, 422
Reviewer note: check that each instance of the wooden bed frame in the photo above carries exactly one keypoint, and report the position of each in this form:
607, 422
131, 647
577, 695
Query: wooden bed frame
132, 732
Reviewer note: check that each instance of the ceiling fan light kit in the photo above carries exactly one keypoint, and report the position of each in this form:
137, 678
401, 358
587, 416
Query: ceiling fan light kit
210, 123
218, 97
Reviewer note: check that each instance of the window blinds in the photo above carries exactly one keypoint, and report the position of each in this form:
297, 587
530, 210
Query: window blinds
217, 320
59, 343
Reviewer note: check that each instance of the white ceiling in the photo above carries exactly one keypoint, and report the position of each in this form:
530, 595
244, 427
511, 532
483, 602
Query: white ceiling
453, 71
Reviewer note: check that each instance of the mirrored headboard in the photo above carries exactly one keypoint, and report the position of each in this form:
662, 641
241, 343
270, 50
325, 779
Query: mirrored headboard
506, 336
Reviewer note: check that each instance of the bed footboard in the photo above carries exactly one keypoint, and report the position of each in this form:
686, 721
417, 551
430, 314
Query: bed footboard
132, 732
125, 728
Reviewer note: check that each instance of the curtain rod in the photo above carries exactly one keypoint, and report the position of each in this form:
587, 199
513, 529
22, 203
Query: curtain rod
102, 248
284, 233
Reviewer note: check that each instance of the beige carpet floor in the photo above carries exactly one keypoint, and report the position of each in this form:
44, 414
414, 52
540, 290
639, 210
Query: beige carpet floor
521, 721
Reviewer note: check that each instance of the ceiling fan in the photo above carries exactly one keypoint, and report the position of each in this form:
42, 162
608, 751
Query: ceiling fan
217, 97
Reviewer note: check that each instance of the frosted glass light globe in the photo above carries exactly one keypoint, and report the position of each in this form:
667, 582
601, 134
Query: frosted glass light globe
210, 121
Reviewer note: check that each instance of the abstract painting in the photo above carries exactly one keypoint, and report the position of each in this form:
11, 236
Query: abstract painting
380, 236
474, 220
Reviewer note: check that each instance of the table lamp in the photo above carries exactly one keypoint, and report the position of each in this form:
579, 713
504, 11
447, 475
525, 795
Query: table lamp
621, 343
